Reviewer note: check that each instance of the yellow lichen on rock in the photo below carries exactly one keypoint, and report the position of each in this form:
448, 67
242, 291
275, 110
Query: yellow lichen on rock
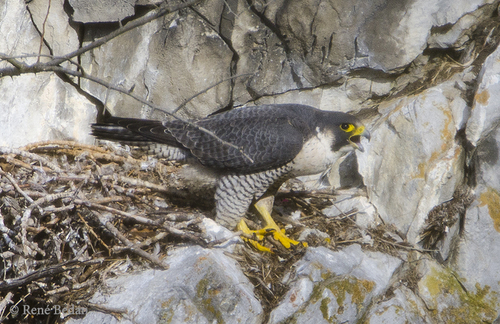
491, 198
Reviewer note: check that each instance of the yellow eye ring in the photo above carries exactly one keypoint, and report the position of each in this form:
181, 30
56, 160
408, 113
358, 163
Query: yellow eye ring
346, 127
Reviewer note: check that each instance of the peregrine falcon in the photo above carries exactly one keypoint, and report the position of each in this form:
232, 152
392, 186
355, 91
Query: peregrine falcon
253, 150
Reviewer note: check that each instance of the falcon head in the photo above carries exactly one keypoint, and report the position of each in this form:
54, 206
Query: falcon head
353, 131
346, 129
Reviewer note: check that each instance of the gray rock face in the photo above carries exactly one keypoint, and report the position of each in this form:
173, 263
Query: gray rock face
67, 114
422, 74
332, 286
95, 11
390, 311
414, 162
61, 36
485, 114
217, 291
409, 30
191, 55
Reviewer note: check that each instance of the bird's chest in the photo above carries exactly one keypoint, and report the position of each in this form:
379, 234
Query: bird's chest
316, 156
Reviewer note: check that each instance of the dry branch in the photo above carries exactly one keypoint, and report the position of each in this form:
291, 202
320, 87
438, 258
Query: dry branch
132, 247
48, 272
48, 219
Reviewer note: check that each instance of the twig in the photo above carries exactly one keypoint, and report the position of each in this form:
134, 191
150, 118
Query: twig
111, 157
43, 31
48, 272
137, 182
183, 234
399, 245
162, 10
53, 210
91, 230
62, 147
118, 313
27, 214
4, 302
158, 237
12, 160
137, 219
131, 246
73, 287
7, 150
16, 186
208, 88
6, 232
45, 199
55, 144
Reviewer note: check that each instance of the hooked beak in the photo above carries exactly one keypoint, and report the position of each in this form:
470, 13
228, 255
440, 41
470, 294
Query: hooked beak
355, 138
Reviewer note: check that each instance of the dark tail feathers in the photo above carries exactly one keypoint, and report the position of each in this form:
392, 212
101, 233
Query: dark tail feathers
133, 130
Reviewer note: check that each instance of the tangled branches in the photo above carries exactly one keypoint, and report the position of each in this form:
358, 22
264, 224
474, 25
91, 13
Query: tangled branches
72, 214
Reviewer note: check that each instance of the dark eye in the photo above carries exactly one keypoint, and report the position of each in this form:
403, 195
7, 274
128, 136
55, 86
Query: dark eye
344, 126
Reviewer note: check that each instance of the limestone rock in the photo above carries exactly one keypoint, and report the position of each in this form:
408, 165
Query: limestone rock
413, 162
325, 39
334, 286
403, 307
448, 297
211, 11
59, 35
190, 55
214, 289
59, 113
95, 11
320, 49
479, 249
409, 25
260, 53
485, 114
126, 71
456, 35
166, 63
334, 98
18, 36
42, 106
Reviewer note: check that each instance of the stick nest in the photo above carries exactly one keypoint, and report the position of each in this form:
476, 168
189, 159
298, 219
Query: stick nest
72, 215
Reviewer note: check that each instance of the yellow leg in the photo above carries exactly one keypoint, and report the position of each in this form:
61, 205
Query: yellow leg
264, 207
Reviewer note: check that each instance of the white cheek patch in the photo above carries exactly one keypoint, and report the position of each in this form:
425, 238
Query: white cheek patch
316, 155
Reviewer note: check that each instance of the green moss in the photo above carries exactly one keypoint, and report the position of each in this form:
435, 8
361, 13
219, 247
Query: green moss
340, 287
471, 307
202, 287
165, 316
324, 308
166, 312
205, 294
357, 288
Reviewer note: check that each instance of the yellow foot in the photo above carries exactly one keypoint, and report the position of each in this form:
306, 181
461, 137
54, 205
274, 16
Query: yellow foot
270, 228
242, 226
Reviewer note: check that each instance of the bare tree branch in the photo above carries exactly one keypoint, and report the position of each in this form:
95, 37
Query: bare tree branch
208, 88
53, 66
43, 30
162, 10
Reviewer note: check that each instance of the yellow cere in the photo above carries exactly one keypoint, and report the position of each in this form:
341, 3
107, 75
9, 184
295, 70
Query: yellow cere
359, 130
